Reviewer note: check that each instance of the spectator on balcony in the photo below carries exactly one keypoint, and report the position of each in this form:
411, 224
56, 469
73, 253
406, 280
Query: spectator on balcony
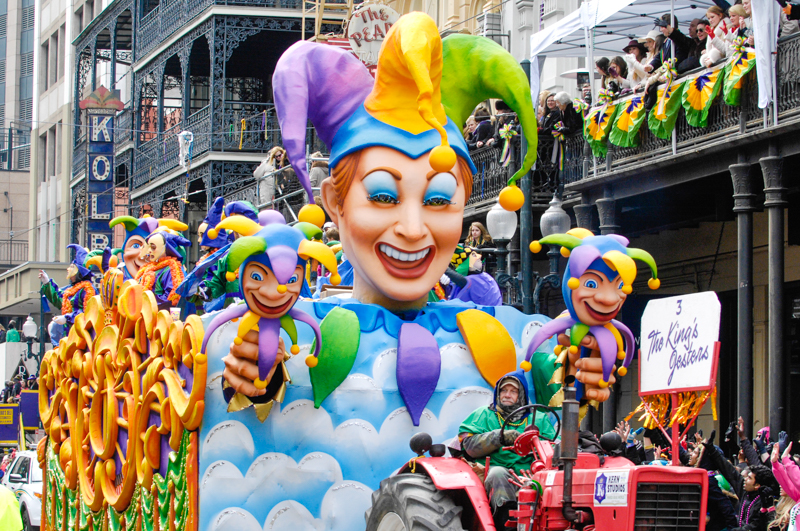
698, 48
319, 169
484, 132
469, 128
675, 41
551, 116
737, 27
606, 79
748, 21
573, 122
504, 116
12, 336
635, 58
542, 108
717, 44
618, 70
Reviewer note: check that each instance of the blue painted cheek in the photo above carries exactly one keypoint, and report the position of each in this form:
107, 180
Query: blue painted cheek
442, 186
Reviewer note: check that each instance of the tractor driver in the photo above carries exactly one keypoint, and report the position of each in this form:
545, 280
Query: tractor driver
479, 436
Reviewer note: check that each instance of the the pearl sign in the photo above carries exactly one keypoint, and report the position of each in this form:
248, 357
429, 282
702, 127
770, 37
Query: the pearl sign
367, 30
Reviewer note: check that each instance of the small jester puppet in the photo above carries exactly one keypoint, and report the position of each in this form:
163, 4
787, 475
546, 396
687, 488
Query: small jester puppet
163, 272
71, 299
208, 245
136, 232
270, 261
597, 280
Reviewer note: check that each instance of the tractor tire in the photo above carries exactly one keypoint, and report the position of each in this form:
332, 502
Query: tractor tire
411, 502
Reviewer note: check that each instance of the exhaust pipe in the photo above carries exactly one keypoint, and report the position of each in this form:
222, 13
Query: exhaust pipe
569, 446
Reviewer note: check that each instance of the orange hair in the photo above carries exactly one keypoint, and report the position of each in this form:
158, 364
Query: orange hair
344, 172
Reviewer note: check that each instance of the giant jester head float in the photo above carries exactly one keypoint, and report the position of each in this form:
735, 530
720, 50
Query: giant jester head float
136, 232
401, 171
270, 261
598, 278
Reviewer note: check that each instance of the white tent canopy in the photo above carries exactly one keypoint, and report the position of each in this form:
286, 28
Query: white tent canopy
604, 27
615, 23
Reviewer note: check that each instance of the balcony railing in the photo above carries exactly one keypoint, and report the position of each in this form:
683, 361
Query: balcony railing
170, 15
725, 122
13, 252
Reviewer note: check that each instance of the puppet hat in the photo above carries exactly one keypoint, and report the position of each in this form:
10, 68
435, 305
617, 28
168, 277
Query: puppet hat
81, 255
212, 219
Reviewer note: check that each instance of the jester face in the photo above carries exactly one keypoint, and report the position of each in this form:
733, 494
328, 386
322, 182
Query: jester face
72, 273
399, 224
597, 299
154, 250
261, 290
131, 254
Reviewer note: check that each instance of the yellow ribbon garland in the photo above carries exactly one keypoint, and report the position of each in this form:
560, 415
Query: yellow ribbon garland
241, 134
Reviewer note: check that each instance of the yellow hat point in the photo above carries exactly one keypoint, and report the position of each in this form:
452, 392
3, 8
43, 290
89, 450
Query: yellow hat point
212, 233
573, 349
335, 279
621, 355
558, 350
312, 361
260, 384
654, 283
627, 289
281, 288
602, 384
511, 198
295, 349
312, 214
237, 341
573, 283
565, 252
442, 158
525, 366
535, 246
230, 276
622, 371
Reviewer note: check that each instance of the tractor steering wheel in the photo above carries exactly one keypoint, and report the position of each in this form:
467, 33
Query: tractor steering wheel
534, 407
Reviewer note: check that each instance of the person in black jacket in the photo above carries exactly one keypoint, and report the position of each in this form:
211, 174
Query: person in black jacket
573, 122
683, 44
551, 116
484, 132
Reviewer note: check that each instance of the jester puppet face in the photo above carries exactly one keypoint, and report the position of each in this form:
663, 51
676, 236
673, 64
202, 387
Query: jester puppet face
132, 254
72, 273
137, 231
401, 172
597, 279
155, 249
265, 294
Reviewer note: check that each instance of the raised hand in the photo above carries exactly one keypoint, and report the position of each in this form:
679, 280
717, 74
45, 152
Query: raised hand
775, 453
241, 364
788, 451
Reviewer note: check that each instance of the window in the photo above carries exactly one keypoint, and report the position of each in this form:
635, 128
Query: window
52, 70
36, 474
78, 22
21, 466
62, 31
45, 54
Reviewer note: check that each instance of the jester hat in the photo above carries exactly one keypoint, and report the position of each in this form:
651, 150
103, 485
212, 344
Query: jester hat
145, 226
424, 91
81, 255
212, 219
174, 244
102, 259
610, 256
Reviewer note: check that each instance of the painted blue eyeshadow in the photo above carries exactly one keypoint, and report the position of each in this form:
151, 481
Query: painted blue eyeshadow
380, 182
441, 186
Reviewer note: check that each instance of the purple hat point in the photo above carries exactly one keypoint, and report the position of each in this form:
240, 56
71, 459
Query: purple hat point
419, 364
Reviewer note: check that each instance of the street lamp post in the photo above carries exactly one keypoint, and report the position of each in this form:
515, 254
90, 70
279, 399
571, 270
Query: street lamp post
554, 221
501, 225
29, 330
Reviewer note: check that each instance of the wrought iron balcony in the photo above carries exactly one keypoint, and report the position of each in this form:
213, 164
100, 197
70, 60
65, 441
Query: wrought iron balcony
13, 253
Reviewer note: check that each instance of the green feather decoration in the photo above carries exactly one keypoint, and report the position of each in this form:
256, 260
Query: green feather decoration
492, 73
243, 248
341, 335
129, 222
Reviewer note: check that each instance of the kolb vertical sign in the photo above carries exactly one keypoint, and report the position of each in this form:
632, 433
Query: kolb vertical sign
101, 108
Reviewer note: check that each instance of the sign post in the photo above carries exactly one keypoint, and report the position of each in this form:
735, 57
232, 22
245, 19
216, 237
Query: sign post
101, 108
679, 357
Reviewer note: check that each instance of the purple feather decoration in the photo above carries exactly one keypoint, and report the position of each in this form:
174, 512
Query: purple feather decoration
316, 82
419, 364
607, 344
556, 326
300, 315
268, 334
581, 258
630, 341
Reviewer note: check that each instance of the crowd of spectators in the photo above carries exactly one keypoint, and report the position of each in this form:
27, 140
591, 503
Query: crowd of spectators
484, 127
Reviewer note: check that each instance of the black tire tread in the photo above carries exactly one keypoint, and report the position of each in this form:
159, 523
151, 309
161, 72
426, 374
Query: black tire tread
417, 501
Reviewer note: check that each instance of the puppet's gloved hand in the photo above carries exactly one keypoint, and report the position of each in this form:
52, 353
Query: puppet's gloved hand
202, 291
44, 278
509, 436
241, 365
60, 319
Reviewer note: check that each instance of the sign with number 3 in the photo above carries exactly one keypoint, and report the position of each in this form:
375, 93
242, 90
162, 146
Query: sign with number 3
679, 336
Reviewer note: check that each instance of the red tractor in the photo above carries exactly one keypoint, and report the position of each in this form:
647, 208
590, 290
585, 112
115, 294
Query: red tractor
571, 490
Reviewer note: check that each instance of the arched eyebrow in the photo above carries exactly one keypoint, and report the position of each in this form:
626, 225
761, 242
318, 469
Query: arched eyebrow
392, 171
600, 275
433, 173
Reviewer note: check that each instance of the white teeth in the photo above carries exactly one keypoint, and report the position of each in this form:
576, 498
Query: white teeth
400, 255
